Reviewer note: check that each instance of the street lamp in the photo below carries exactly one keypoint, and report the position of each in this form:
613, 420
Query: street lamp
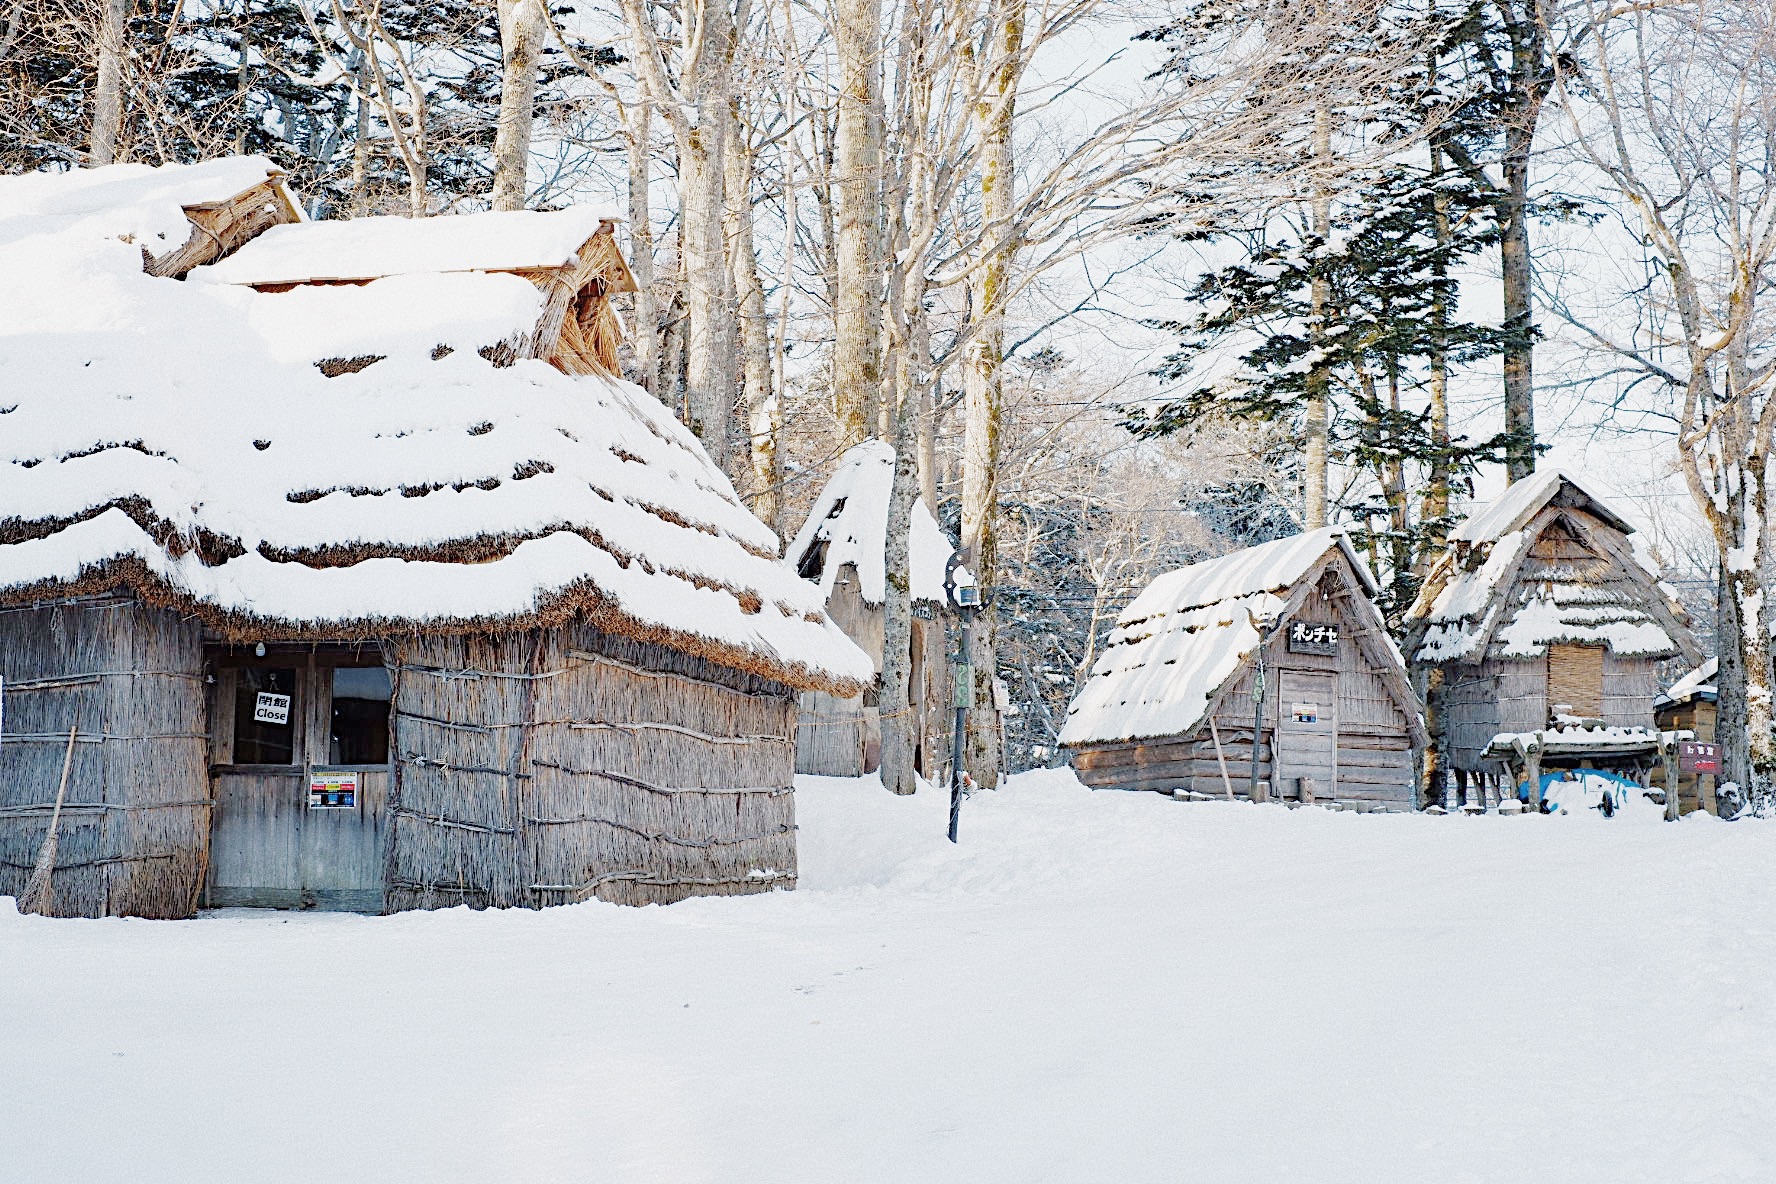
966, 599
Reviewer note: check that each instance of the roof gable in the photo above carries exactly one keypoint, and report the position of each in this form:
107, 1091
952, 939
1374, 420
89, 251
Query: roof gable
1552, 565
848, 525
358, 249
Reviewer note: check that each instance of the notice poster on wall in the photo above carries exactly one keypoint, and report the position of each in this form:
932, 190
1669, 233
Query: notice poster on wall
332, 791
1305, 713
271, 709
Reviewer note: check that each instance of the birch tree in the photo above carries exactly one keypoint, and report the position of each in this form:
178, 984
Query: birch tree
1674, 105
523, 25
689, 81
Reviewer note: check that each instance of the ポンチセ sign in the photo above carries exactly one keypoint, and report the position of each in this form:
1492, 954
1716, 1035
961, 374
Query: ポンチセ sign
333, 791
1313, 637
1694, 757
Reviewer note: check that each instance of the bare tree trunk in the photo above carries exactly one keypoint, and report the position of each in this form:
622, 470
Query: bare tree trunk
1729, 727
360, 171
926, 431
644, 332
107, 120
1435, 510
758, 397
898, 724
1317, 420
522, 24
1523, 108
697, 106
857, 313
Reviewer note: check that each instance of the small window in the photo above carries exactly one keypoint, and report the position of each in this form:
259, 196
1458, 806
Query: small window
266, 716
360, 732
813, 561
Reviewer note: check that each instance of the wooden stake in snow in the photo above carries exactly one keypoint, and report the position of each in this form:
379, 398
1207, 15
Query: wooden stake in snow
39, 893
1221, 759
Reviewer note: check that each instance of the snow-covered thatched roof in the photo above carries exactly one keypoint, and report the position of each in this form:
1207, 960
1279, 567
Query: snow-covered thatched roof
1188, 636
1699, 683
178, 439
1548, 562
849, 526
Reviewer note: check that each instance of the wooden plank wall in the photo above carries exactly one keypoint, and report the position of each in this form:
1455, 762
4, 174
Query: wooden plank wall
134, 831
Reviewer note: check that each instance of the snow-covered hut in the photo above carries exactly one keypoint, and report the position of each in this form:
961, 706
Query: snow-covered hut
1540, 632
1169, 705
842, 547
450, 626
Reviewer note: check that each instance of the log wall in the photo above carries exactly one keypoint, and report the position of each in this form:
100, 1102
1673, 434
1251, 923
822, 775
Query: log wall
134, 831
553, 766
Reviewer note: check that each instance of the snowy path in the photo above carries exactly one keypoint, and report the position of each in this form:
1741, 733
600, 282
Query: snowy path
1092, 988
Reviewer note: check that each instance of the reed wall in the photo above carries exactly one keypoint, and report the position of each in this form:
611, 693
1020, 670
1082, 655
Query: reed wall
552, 766
133, 836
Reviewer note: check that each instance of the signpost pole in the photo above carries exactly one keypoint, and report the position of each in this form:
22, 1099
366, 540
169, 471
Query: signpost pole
967, 600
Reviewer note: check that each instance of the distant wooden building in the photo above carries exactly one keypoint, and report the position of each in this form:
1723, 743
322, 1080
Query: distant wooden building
1540, 634
1169, 705
842, 547
1690, 705
447, 625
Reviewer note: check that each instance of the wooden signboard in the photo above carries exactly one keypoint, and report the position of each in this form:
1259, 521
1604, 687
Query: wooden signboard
1694, 757
1313, 637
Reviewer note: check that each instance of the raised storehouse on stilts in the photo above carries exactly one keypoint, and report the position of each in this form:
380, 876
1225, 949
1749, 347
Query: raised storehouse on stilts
342, 595
1170, 705
842, 547
1539, 633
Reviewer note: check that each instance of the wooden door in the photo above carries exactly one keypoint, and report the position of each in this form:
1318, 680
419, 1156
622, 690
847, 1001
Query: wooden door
269, 847
1306, 742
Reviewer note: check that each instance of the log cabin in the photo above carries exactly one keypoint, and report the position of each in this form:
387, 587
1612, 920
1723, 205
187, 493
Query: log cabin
842, 547
1169, 706
455, 624
1539, 633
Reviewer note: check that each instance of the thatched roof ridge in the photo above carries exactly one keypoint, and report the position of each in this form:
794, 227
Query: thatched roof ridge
373, 248
178, 440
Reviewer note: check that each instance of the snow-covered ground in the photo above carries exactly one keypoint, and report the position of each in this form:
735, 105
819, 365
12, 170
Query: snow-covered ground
1092, 987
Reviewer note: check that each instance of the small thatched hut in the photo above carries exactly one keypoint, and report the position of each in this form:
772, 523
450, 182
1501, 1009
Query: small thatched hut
842, 547
1169, 704
1540, 633
446, 625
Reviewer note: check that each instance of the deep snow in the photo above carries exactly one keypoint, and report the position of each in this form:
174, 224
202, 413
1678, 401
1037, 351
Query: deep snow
1092, 987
